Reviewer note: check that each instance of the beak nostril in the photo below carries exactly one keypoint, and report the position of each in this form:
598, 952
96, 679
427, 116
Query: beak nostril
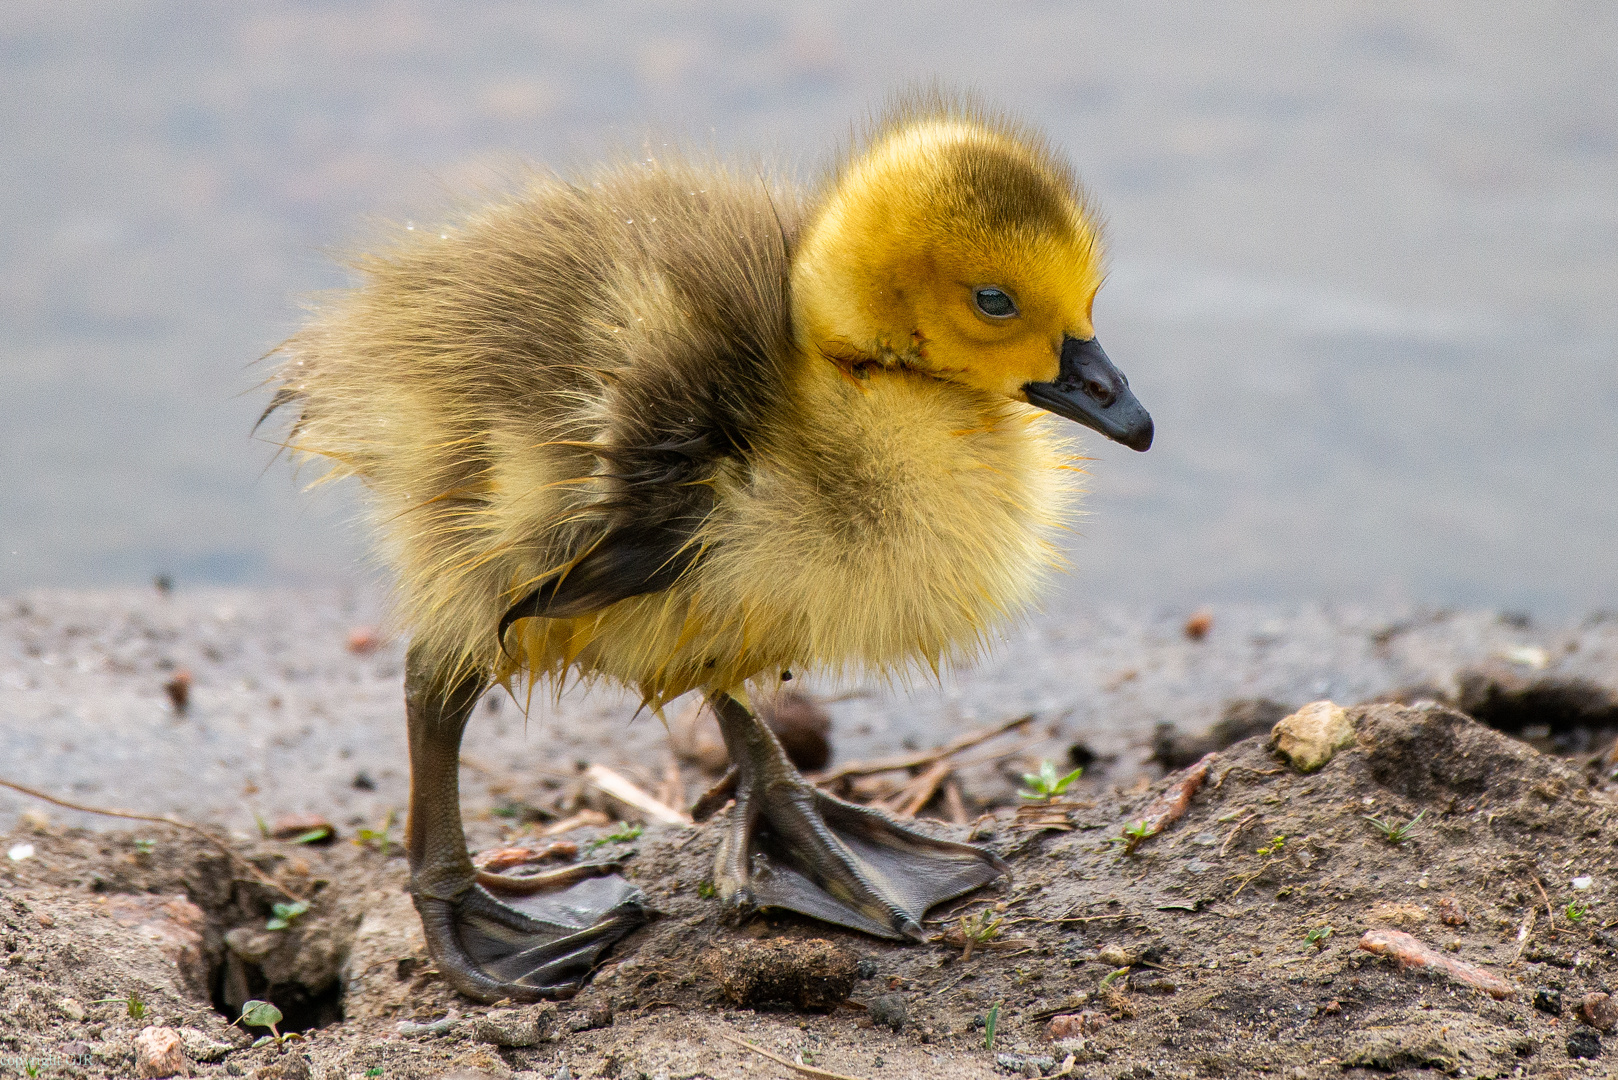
1100, 392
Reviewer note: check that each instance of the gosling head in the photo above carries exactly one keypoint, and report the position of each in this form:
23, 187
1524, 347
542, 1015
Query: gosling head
959, 245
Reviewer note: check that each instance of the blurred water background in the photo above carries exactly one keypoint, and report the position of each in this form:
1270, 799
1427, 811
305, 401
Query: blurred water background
1365, 258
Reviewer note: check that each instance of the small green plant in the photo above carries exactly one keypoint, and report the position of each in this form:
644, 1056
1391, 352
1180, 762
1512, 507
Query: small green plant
623, 834
706, 890
285, 915
262, 1014
1317, 937
990, 1021
977, 929
30, 1067
1046, 784
263, 826
135, 1006
145, 846
378, 836
314, 835
1576, 911
1395, 834
374, 1070
1274, 846
1134, 834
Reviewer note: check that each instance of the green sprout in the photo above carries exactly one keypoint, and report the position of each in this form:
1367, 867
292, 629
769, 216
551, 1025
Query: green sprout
990, 1021
314, 835
378, 836
374, 1070
623, 834
1395, 834
263, 826
261, 1014
285, 915
706, 890
144, 846
979, 928
1134, 834
1576, 911
1274, 846
1047, 785
1317, 937
133, 1004
30, 1067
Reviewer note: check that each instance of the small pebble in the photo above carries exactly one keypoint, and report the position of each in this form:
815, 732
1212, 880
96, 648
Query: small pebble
1450, 912
1198, 625
1584, 1043
1547, 1000
887, 1010
1600, 1011
179, 691
866, 969
1583, 882
159, 1052
19, 852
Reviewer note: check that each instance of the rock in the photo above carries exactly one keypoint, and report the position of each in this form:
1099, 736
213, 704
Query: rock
803, 727
813, 975
385, 954
867, 969
1446, 1041
1584, 1043
1450, 912
199, 1047
1547, 1000
1068, 1026
1024, 1064
1600, 1011
798, 721
1198, 624
295, 826
888, 1010
174, 924
516, 1027
160, 1052
591, 1019
1311, 736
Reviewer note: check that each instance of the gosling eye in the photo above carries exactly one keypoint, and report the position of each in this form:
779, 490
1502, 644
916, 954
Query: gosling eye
994, 302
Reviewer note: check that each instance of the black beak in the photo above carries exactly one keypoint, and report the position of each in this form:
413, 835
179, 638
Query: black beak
1087, 388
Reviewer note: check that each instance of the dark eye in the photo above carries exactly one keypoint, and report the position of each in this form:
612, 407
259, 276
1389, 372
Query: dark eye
994, 303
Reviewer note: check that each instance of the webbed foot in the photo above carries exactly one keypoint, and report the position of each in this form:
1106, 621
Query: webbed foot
787, 845
539, 940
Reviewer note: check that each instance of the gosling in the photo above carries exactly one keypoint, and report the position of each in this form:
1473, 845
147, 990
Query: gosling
684, 427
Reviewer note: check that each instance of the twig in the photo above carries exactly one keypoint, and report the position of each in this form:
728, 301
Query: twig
954, 807
920, 791
129, 815
1234, 832
915, 761
1550, 913
627, 791
580, 820
1411, 952
807, 1070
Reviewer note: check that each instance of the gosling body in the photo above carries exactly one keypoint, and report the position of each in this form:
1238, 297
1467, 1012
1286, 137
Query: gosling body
686, 428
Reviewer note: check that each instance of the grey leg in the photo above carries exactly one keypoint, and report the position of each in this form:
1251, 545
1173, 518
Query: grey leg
788, 845
494, 937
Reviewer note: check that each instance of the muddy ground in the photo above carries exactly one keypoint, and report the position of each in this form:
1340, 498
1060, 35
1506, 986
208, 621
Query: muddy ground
1226, 946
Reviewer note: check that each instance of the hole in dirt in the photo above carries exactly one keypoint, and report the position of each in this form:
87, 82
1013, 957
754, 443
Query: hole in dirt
302, 1008
1566, 716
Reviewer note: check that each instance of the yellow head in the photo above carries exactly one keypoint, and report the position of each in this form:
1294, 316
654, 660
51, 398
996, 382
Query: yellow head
959, 245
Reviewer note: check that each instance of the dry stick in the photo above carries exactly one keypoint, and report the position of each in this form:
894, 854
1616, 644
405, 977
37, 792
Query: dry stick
625, 790
807, 1070
920, 791
1550, 914
130, 815
913, 761
1524, 931
954, 806
1240, 825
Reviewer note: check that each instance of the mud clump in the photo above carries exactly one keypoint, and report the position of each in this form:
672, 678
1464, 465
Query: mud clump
811, 976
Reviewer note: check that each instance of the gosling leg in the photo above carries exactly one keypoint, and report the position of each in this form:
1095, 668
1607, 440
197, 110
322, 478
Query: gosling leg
788, 845
494, 937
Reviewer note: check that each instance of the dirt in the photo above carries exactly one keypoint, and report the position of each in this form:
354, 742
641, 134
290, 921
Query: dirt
1225, 946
